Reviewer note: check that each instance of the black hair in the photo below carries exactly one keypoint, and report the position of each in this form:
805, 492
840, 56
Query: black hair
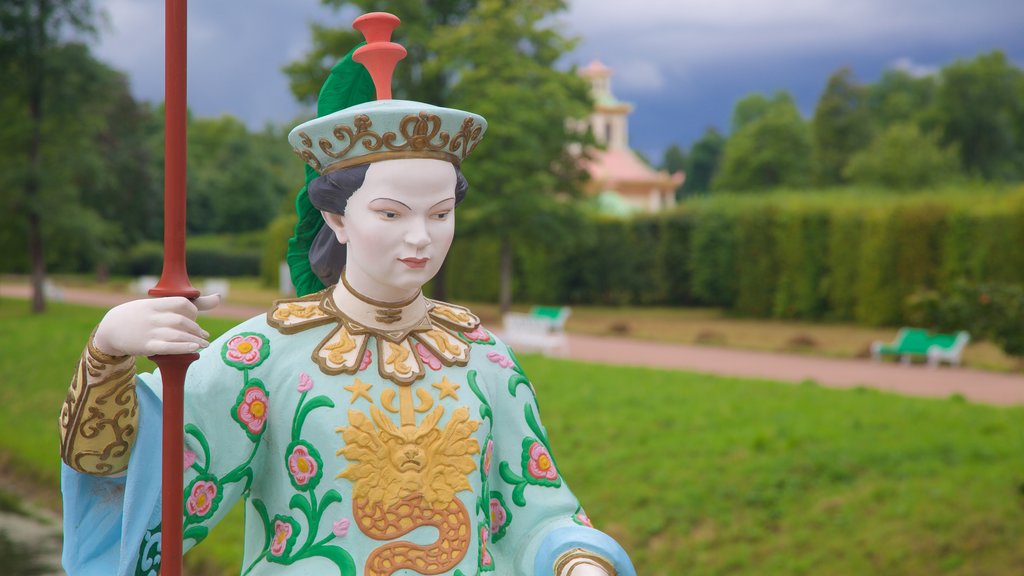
330, 193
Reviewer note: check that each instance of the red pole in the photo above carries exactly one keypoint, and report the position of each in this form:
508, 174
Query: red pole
174, 282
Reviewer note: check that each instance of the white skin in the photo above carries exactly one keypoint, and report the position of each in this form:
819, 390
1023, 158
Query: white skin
156, 326
397, 227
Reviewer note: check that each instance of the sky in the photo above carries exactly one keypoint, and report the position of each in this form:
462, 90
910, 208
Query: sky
682, 63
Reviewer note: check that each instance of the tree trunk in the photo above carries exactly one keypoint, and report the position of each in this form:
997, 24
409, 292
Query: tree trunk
37, 73
505, 298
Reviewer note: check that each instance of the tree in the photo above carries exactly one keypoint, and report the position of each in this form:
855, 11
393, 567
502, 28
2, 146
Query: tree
85, 199
504, 56
841, 126
232, 181
29, 31
770, 148
418, 77
979, 105
703, 161
899, 97
753, 107
672, 161
904, 158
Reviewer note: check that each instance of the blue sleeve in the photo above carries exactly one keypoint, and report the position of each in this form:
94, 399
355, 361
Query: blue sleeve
115, 522
98, 535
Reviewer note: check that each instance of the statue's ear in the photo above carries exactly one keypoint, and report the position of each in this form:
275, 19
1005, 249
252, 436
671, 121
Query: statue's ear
336, 222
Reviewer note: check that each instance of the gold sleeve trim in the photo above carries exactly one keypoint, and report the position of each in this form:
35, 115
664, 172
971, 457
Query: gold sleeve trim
566, 564
99, 419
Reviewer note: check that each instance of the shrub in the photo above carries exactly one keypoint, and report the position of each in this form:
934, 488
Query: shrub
992, 311
275, 248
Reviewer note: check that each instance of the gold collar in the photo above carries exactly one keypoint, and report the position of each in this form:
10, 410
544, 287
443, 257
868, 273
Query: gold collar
410, 336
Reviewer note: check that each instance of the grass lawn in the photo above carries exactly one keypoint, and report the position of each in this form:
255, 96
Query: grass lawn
703, 326
693, 474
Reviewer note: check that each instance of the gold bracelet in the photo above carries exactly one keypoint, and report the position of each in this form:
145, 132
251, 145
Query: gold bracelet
100, 356
579, 556
99, 419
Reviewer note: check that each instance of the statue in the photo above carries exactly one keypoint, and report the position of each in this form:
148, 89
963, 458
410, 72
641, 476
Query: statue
369, 430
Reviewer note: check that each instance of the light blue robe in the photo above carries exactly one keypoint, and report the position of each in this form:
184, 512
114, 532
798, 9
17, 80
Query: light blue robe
266, 424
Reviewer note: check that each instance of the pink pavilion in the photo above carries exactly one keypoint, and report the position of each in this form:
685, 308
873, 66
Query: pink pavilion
620, 180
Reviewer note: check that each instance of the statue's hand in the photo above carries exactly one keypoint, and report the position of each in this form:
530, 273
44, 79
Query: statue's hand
157, 326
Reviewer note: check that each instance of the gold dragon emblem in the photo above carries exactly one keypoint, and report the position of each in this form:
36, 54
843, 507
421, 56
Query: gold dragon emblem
408, 476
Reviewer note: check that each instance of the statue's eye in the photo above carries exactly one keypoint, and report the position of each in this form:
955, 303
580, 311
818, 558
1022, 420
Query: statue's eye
388, 214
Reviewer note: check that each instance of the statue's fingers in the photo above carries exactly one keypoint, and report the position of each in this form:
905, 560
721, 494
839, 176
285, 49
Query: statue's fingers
185, 324
168, 348
206, 303
172, 304
177, 336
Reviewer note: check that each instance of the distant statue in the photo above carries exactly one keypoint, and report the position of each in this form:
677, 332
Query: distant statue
368, 429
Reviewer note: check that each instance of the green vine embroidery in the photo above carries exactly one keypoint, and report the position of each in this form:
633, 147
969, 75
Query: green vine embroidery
538, 467
149, 554
305, 470
483, 505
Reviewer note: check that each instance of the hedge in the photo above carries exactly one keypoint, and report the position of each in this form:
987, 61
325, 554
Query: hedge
848, 255
214, 255
838, 255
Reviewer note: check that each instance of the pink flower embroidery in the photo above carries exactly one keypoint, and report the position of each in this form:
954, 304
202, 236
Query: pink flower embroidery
302, 465
485, 555
500, 359
201, 499
190, 458
478, 334
582, 518
282, 533
541, 466
244, 349
341, 528
252, 411
498, 515
305, 382
487, 456
367, 359
428, 357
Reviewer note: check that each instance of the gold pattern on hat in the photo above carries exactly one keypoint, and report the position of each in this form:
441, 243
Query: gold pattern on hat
419, 136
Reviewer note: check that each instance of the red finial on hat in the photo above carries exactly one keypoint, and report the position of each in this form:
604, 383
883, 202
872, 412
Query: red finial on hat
380, 55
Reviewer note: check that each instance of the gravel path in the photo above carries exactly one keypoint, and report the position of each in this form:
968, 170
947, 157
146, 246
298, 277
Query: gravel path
917, 380
30, 543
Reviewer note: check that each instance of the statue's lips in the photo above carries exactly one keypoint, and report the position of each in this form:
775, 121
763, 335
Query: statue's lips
415, 262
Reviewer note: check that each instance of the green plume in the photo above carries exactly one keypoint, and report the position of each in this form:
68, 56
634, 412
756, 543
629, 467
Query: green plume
348, 84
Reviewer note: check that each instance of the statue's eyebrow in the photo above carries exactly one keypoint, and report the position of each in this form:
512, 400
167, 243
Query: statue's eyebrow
393, 200
443, 201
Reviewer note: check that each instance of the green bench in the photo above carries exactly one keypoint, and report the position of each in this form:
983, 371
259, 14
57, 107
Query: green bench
917, 342
542, 328
554, 315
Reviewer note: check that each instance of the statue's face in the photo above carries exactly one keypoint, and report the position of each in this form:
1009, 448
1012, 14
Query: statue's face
398, 227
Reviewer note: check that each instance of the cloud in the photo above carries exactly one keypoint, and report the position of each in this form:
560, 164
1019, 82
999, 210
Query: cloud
685, 33
682, 62
907, 65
